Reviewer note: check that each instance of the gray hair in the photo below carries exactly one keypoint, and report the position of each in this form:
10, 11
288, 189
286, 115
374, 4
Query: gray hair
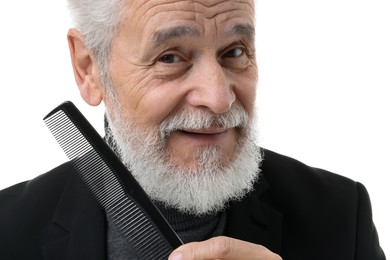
97, 21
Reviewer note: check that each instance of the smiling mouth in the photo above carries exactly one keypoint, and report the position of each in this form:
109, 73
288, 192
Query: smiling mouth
204, 136
206, 131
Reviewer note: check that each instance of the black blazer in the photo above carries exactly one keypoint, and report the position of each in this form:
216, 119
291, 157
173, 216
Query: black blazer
296, 211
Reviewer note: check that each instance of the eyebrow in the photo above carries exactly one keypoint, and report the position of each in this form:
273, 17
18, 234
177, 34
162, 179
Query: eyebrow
162, 36
245, 30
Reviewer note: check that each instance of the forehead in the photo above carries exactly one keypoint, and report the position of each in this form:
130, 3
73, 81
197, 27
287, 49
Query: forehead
147, 16
206, 8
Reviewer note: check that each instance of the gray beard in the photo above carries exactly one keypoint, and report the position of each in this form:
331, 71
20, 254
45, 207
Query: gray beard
202, 189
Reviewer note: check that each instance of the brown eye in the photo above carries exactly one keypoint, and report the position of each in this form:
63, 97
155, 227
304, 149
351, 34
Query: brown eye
170, 58
233, 53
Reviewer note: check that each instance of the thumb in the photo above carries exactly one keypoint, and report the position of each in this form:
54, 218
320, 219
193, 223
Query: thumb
222, 248
214, 248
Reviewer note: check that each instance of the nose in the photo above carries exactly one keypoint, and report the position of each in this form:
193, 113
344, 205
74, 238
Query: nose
210, 87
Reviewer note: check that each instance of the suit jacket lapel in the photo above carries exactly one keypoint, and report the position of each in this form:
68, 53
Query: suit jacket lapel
253, 220
78, 227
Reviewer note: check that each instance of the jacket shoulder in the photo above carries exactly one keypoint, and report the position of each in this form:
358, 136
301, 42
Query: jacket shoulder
296, 188
43, 188
283, 172
27, 208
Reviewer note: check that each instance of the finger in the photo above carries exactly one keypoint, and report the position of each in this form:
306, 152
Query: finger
222, 248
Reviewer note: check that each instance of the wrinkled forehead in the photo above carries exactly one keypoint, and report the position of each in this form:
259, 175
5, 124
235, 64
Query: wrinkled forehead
207, 8
154, 13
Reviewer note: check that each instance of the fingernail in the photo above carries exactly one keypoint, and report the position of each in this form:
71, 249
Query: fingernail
176, 256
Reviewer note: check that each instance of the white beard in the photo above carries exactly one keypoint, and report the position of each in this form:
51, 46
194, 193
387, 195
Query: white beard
201, 189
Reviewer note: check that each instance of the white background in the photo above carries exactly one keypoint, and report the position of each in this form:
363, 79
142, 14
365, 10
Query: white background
323, 88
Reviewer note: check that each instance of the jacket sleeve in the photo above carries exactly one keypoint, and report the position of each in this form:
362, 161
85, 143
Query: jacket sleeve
367, 242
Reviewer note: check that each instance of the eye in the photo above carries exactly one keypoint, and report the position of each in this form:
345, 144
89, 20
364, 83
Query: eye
170, 58
234, 53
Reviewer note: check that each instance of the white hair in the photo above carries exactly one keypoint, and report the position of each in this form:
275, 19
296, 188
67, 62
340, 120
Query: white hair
97, 21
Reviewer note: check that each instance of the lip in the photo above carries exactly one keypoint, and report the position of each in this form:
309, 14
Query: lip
209, 136
206, 131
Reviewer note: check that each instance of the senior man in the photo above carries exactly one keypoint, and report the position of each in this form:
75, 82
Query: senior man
178, 79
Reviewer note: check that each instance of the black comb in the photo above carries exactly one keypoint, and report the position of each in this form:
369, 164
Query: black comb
120, 195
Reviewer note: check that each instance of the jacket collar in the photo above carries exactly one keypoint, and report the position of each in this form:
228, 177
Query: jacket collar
253, 220
77, 230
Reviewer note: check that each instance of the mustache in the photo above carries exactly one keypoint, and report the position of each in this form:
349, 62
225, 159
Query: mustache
201, 118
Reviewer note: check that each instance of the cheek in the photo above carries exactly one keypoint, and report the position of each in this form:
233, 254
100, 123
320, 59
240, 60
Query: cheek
146, 99
245, 87
158, 103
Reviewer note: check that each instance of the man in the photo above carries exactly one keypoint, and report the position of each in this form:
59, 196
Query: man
178, 79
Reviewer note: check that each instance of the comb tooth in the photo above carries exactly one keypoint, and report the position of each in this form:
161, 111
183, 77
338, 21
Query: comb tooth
63, 136
112, 185
121, 209
148, 238
130, 209
159, 252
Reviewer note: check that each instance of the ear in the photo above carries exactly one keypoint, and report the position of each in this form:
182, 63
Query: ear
85, 69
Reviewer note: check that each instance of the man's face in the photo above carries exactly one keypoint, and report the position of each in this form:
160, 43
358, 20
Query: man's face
174, 56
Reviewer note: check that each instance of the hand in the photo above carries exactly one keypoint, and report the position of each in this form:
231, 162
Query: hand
222, 248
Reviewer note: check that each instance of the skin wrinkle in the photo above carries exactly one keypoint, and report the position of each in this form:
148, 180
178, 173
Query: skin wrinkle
145, 91
140, 92
211, 14
139, 82
218, 12
162, 6
205, 7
